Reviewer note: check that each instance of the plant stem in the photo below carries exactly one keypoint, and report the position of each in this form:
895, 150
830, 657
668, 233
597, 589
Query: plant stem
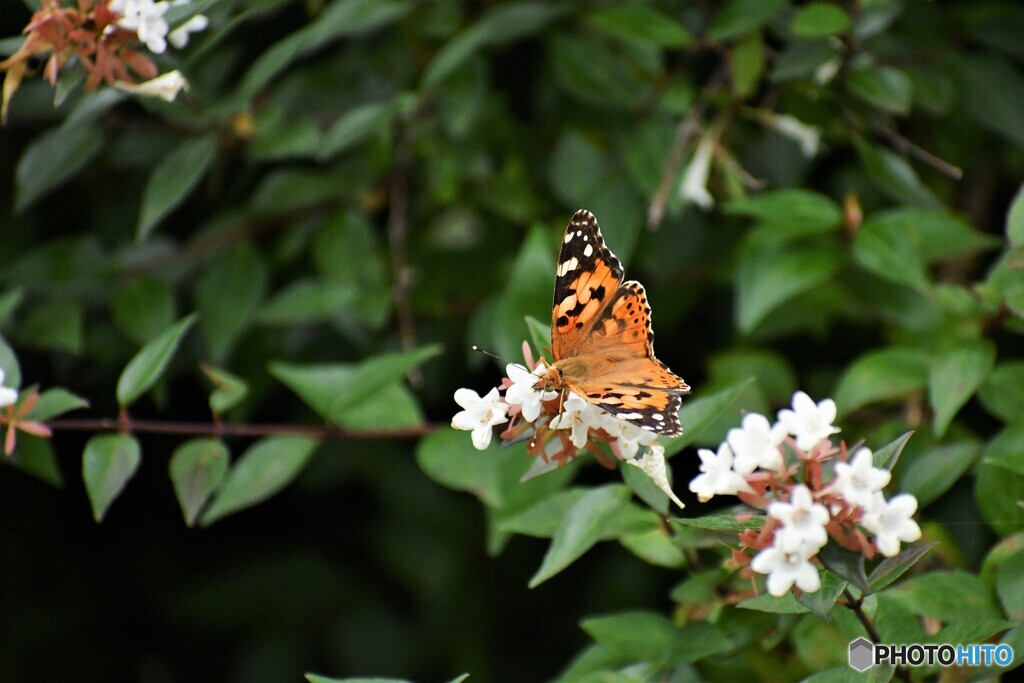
855, 605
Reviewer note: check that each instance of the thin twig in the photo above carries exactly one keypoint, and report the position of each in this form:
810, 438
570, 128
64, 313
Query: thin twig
130, 425
686, 129
398, 228
854, 605
905, 146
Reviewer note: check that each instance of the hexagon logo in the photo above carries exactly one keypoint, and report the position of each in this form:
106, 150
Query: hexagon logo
862, 654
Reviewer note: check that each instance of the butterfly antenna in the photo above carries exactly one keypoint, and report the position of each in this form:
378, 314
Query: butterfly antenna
503, 360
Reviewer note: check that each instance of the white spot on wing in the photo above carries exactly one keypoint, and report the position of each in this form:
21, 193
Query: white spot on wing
589, 250
630, 416
658, 416
567, 266
568, 237
579, 232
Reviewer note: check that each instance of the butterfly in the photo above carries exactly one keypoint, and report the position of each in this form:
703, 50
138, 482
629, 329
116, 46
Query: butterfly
601, 337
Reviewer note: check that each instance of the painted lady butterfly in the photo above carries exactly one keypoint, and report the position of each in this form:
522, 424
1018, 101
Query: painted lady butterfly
601, 336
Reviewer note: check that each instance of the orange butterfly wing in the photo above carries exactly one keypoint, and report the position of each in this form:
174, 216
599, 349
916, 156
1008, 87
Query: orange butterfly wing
601, 336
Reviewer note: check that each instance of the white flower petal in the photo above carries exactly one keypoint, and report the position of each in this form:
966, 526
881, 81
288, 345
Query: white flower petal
653, 464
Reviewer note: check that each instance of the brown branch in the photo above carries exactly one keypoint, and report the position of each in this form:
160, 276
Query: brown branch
905, 146
854, 605
686, 129
398, 228
130, 425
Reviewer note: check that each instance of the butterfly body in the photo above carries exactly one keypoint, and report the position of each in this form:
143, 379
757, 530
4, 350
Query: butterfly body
601, 336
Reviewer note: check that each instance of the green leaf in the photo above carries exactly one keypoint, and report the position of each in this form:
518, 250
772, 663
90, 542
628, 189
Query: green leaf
819, 19
54, 402
1015, 220
528, 292
305, 302
580, 529
34, 456
655, 547
1010, 588
540, 336
748, 63
651, 637
791, 212
393, 406
823, 600
172, 179
228, 392
955, 376
339, 19
641, 23
197, 468
933, 473
896, 178
265, 468
888, 455
9, 302
885, 87
892, 568
54, 157
227, 295
591, 70
844, 563
540, 520
316, 678
888, 251
1006, 449
109, 461
502, 24
335, 390
766, 279
146, 367
360, 122
785, 604
936, 235
9, 365
743, 16
448, 457
722, 521
56, 325
948, 596
142, 308
997, 494
884, 375
991, 89
1002, 394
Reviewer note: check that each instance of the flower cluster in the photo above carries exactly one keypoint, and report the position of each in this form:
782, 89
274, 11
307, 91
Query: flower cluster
104, 37
556, 426
789, 470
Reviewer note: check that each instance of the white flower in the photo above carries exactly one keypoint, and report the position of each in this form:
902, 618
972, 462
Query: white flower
859, 480
7, 395
522, 391
629, 436
719, 477
179, 36
653, 464
694, 186
166, 86
827, 71
787, 562
891, 522
803, 520
808, 137
808, 422
146, 18
757, 444
578, 415
479, 415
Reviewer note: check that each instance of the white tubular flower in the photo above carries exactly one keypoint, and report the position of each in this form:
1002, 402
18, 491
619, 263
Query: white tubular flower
787, 562
808, 422
479, 415
694, 186
522, 391
859, 480
757, 444
629, 437
719, 477
579, 416
179, 36
652, 462
166, 86
146, 18
808, 137
7, 395
891, 522
803, 520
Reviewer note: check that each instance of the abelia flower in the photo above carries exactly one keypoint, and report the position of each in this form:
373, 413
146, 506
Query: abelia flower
859, 480
146, 18
479, 415
757, 444
718, 477
165, 87
802, 518
7, 395
579, 415
694, 186
810, 423
891, 522
787, 562
523, 392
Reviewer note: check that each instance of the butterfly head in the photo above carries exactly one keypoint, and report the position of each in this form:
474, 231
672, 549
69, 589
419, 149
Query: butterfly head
549, 380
